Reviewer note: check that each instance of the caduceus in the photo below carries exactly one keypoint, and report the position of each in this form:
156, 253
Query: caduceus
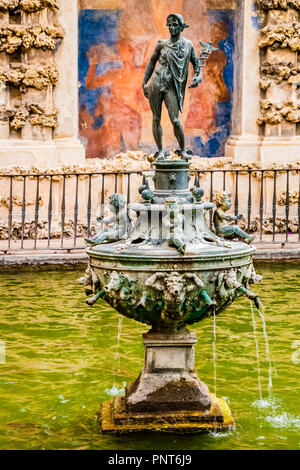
207, 49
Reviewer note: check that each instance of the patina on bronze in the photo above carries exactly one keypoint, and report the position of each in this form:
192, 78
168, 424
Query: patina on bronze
166, 268
168, 68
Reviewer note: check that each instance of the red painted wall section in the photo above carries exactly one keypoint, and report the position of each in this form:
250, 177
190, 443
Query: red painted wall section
115, 44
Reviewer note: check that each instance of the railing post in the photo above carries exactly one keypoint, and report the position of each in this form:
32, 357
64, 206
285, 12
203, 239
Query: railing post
102, 197
287, 205
63, 211
274, 205
261, 204
249, 198
211, 196
299, 208
50, 209
76, 211
23, 211
89, 207
10, 209
236, 199
128, 189
37, 208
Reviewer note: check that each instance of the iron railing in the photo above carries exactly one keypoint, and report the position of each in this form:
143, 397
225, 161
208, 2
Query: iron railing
57, 211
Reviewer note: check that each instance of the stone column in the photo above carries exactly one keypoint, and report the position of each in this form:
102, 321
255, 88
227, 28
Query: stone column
266, 114
38, 85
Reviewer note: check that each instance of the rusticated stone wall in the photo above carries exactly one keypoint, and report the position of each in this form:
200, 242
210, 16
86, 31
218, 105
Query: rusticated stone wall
279, 67
29, 33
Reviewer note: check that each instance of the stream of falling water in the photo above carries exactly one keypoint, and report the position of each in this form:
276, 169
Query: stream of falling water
268, 355
257, 351
215, 354
260, 311
114, 390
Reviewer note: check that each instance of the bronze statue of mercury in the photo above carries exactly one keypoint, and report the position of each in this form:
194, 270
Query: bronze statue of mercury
168, 70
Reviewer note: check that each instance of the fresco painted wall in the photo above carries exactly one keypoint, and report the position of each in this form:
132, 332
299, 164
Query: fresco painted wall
116, 39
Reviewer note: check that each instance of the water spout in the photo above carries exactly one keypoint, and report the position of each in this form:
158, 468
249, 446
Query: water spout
249, 294
209, 302
92, 300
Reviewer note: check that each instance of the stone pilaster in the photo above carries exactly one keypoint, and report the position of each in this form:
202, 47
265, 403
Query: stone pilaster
243, 142
38, 84
280, 74
266, 113
66, 91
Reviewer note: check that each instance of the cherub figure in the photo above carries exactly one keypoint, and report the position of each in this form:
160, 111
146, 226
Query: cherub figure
222, 220
174, 222
118, 225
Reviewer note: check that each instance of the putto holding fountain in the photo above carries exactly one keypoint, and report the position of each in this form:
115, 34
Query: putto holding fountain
167, 268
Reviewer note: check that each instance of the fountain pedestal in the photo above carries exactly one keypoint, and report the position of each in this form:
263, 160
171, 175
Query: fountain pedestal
168, 394
169, 270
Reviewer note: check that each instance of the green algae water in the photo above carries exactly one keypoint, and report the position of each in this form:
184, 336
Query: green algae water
64, 358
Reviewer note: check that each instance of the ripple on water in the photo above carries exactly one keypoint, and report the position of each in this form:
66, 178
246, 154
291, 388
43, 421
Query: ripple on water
284, 421
64, 358
115, 391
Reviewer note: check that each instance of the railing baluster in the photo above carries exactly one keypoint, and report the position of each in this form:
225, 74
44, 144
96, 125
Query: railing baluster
63, 211
116, 182
50, 209
236, 199
23, 211
10, 209
249, 199
89, 207
102, 196
211, 196
287, 205
261, 205
274, 205
299, 208
36, 212
224, 180
128, 189
76, 211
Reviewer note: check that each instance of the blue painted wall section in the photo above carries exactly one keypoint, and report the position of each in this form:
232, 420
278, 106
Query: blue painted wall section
100, 124
215, 146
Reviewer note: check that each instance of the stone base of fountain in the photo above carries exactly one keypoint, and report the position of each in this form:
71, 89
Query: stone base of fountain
115, 419
168, 395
